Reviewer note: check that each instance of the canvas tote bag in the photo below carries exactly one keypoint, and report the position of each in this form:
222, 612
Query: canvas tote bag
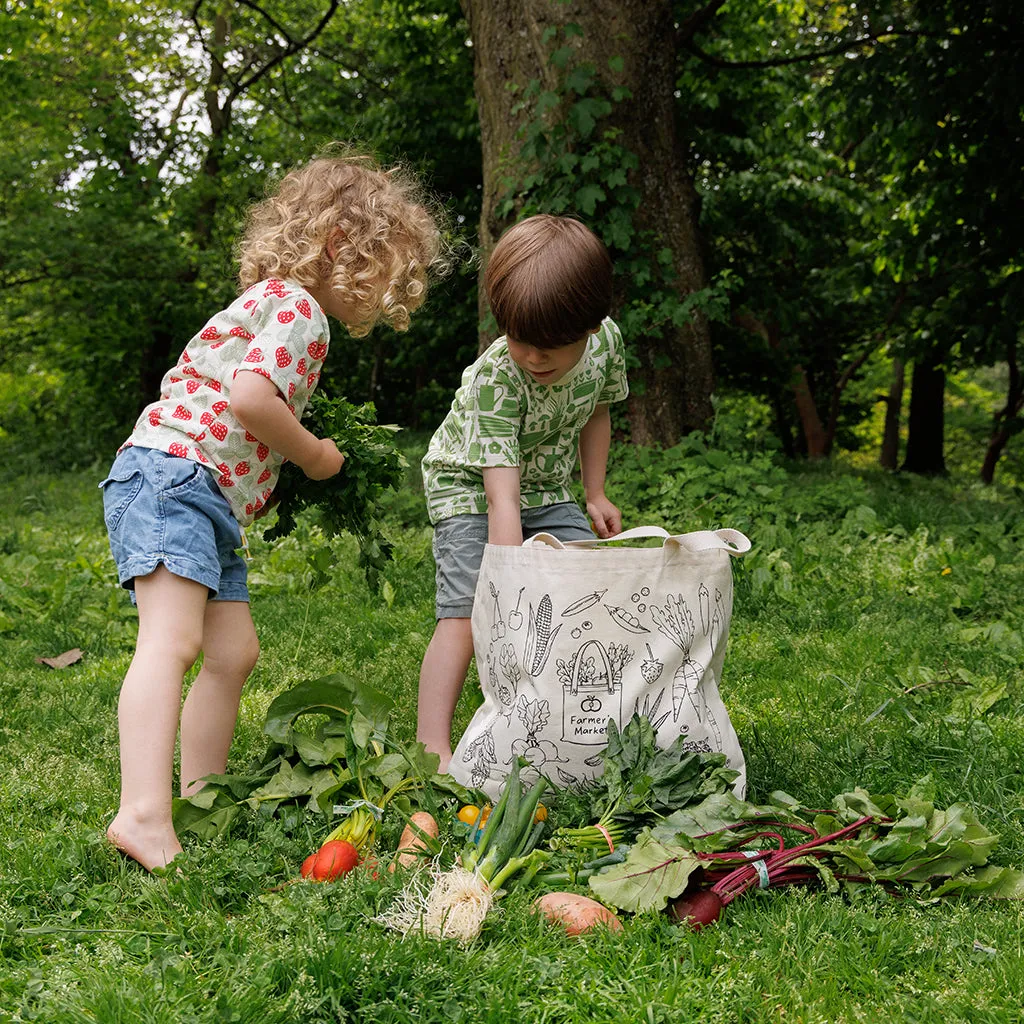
568, 635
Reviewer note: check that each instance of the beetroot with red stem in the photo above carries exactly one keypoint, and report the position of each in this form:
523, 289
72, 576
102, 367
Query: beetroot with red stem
696, 909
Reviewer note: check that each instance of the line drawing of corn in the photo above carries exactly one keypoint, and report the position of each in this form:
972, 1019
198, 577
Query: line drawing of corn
539, 638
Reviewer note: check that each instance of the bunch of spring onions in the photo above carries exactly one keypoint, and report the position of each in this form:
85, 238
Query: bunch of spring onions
455, 903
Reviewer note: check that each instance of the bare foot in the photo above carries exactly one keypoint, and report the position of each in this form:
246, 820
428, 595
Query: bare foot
152, 844
442, 766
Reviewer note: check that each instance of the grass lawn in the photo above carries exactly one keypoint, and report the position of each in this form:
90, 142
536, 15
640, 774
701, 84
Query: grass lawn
876, 639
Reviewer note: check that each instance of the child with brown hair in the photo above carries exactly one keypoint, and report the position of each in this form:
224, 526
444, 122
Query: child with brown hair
338, 236
498, 468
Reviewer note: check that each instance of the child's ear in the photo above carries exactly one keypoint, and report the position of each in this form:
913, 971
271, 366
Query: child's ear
334, 241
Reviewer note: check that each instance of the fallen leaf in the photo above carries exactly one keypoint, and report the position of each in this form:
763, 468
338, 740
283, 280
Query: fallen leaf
62, 660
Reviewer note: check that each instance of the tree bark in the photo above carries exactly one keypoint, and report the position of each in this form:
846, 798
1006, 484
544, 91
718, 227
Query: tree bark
1006, 420
926, 425
817, 440
890, 454
672, 386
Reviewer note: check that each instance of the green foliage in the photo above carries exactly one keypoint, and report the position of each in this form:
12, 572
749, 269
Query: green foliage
346, 761
875, 668
130, 155
905, 842
348, 502
572, 160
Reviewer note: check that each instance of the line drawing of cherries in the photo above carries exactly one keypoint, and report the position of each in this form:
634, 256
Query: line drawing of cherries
515, 617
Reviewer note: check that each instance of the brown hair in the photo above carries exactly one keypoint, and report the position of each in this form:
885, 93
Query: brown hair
549, 281
384, 236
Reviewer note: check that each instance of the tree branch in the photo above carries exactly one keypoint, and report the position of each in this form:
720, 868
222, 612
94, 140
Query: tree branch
845, 47
696, 22
294, 46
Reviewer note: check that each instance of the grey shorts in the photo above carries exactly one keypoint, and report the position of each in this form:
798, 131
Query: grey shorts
459, 546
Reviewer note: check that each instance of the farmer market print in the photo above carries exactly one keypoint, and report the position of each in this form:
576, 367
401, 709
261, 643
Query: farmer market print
502, 417
557, 665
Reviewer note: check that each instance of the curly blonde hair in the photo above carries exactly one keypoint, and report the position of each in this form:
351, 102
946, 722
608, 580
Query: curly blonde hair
385, 237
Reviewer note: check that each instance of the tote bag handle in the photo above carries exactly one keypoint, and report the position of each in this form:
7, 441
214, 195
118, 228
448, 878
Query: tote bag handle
732, 541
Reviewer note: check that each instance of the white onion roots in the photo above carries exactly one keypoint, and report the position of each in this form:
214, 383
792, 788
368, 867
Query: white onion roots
447, 905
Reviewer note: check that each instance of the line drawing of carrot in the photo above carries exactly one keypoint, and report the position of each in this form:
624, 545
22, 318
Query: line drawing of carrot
675, 621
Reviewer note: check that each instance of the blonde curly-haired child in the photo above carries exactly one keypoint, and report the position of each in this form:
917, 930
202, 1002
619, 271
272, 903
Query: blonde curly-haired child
339, 235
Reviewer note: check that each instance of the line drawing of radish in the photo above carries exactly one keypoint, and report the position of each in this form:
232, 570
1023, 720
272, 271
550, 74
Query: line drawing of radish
498, 628
515, 617
534, 714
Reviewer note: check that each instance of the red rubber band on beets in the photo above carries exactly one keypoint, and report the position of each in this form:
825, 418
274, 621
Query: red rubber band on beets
608, 838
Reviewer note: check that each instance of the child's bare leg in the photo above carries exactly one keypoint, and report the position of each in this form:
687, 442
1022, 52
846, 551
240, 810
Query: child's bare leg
171, 611
230, 650
441, 678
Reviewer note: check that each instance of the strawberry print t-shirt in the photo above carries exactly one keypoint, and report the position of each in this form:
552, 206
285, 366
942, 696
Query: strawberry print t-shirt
275, 328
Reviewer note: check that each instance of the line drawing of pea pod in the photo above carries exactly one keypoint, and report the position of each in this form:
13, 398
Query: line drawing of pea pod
584, 603
630, 623
704, 599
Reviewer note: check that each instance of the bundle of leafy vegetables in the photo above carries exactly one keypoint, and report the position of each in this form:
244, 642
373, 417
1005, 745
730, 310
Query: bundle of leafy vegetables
727, 846
345, 765
348, 502
642, 783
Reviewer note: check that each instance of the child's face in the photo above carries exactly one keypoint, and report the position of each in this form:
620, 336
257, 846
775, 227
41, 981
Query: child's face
547, 365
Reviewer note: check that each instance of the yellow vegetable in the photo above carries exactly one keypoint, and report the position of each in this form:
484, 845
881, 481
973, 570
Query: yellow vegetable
469, 814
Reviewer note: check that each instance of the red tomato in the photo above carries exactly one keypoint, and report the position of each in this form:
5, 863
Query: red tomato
332, 859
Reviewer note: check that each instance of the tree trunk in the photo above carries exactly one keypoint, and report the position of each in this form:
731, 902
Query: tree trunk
672, 386
1006, 422
926, 425
890, 454
817, 440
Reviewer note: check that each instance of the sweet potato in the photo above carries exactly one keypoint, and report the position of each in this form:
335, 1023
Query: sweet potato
576, 913
411, 843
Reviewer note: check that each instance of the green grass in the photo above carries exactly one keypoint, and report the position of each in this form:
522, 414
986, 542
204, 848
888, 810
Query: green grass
855, 658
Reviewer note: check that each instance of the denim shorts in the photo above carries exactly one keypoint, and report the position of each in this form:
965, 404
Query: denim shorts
459, 547
159, 508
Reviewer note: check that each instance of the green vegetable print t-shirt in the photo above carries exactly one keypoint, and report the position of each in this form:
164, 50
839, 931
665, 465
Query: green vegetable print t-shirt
502, 417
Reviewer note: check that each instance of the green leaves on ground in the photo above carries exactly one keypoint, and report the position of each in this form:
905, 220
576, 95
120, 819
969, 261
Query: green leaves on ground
641, 781
347, 759
911, 845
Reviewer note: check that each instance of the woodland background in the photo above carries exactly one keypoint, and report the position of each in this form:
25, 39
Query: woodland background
810, 204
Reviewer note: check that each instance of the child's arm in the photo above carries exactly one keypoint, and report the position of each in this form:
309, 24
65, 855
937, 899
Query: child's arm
504, 522
595, 440
259, 407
